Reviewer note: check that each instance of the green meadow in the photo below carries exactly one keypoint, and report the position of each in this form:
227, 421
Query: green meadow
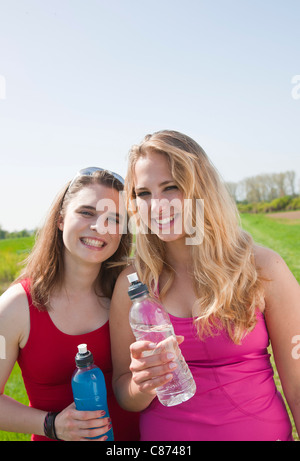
282, 235
12, 253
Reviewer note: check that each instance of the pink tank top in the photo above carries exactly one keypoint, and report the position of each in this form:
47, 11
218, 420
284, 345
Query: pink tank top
236, 397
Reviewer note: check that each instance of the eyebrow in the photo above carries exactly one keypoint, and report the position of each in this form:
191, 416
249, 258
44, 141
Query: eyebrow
87, 207
160, 185
92, 208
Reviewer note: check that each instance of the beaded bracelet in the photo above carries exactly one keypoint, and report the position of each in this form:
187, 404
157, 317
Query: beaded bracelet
49, 427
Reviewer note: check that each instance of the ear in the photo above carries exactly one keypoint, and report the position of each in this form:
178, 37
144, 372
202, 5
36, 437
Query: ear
60, 223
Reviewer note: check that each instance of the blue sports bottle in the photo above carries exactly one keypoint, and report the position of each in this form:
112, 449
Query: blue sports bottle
88, 386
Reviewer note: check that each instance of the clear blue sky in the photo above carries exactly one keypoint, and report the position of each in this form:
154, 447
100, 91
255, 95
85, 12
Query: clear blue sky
84, 80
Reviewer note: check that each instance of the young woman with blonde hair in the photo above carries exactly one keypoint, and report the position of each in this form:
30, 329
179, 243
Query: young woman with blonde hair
61, 300
225, 295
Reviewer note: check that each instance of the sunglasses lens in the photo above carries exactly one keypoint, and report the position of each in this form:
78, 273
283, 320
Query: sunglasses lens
89, 171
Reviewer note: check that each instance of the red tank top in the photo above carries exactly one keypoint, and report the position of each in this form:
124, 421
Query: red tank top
47, 364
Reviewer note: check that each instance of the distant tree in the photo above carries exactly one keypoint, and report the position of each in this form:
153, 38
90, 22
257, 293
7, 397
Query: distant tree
3, 233
268, 187
232, 188
291, 179
12, 235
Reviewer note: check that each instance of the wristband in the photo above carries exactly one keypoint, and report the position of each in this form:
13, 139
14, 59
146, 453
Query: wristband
49, 427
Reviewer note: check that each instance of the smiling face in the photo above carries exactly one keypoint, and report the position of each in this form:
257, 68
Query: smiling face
158, 198
92, 224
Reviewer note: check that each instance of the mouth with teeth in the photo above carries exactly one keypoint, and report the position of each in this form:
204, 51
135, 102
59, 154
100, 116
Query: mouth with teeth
163, 221
93, 243
165, 224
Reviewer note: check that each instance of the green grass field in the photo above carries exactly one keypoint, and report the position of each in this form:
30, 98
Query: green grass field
12, 253
282, 235
279, 234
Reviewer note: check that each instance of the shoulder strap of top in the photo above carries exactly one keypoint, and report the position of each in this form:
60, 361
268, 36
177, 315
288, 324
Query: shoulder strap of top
26, 285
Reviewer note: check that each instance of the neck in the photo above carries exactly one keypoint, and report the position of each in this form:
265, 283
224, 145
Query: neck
178, 254
79, 278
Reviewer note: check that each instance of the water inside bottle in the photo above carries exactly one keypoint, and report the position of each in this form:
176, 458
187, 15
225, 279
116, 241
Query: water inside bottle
162, 335
182, 386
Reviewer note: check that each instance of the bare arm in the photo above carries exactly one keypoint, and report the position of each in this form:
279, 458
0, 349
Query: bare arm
282, 314
14, 325
70, 424
134, 377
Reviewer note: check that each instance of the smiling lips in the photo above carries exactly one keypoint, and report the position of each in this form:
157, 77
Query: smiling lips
93, 243
164, 221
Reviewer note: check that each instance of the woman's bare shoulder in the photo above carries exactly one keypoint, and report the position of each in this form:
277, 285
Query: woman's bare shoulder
14, 313
122, 280
277, 277
13, 299
267, 260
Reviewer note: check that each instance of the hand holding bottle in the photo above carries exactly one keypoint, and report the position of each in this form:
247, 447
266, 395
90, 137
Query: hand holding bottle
150, 322
152, 365
74, 425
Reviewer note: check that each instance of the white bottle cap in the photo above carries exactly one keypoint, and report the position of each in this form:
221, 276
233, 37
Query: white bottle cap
132, 277
82, 348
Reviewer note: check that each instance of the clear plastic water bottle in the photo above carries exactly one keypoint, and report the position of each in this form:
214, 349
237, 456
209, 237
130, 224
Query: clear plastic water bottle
149, 321
88, 386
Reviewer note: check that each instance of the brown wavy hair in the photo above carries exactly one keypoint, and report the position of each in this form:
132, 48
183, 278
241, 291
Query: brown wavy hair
44, 267
226, 282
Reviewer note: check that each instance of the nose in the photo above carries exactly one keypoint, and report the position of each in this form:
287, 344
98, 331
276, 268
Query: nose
99, 227
159, 206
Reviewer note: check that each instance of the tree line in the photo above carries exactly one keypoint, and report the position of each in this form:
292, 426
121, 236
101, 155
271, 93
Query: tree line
4, 234
266, 192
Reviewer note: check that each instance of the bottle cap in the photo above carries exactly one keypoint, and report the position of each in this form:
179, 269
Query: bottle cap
136, 288
83, 357
133, 277
82, 348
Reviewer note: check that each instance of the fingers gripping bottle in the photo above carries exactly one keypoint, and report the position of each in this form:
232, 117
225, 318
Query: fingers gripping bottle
88, 386
149, 321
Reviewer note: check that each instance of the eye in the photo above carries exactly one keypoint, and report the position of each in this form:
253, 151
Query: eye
86, 213
171, 188
114, 219
143, 194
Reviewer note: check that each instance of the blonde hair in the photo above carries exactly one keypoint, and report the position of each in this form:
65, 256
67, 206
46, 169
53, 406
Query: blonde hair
45, 264
226, 281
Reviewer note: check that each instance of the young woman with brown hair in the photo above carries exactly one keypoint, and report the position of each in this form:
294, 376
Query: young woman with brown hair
60, 300
226, 295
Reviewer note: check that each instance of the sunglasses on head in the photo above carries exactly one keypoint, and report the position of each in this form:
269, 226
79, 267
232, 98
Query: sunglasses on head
90, 170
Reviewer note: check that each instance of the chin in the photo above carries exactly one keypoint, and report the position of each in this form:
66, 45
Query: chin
169, 237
